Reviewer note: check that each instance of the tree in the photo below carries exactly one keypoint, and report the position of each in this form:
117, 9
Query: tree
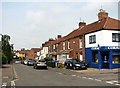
6, 49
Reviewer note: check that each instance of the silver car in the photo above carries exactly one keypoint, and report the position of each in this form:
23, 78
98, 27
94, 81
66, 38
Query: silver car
40, 64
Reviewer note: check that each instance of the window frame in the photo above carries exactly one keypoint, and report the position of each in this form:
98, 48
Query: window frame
63, 45
92, 39
68, 45
115, 36
80, 42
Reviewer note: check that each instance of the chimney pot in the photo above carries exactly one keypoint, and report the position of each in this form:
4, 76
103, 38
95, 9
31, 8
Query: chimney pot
81, 24
102, 14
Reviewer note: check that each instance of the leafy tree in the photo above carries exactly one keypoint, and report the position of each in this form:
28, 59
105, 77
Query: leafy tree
6, 49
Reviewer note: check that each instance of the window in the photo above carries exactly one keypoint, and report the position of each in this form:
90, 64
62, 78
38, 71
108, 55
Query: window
68, 45
80, 43
116, 57
53, 46
63, 45
95, 56
92, 39
116, 37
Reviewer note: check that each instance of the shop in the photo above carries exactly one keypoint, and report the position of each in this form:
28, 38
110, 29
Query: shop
107, 57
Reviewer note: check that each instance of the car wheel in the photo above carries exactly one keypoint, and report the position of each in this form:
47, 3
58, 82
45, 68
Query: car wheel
74, 68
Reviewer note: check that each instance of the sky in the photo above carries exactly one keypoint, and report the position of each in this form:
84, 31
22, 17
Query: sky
32, 22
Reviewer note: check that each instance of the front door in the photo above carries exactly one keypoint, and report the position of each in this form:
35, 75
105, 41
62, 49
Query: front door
105, 59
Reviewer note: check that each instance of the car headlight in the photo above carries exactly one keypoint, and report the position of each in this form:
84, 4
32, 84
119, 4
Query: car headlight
77, 64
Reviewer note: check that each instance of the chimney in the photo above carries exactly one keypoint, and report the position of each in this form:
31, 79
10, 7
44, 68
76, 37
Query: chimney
59, 36
102, 14
51, 39
81, 24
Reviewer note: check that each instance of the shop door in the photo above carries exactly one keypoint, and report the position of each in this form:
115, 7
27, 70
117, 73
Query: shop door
105, 59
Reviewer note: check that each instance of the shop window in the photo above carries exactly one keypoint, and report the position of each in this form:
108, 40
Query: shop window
92, 39
116, 37
116, 57
95, 56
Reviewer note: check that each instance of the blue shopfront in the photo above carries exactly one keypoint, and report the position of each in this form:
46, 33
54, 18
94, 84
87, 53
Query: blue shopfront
107, 57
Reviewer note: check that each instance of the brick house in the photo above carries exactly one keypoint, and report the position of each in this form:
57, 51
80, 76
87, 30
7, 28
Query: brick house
33, 53
102, 42
90, 43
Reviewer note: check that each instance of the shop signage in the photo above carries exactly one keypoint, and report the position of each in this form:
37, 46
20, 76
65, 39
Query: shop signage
95, 48
113, 47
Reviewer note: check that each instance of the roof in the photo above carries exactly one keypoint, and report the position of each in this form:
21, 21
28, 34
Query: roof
58, 40
105, 24
35, 49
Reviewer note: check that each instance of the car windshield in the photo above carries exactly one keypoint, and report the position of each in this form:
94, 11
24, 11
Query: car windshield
41, 61
76, 61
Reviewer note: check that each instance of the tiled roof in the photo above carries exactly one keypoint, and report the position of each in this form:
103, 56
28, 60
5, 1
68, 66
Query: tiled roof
106, 23
58, 40
35, 49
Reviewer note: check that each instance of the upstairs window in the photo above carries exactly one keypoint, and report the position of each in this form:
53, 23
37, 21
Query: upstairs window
92, 39
80, 41
115, 37
63, 45
68, 45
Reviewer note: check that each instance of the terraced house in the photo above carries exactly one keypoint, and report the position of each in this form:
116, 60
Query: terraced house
97, 43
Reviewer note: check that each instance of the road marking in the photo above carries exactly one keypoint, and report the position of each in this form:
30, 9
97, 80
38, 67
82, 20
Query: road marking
73, 75
109, 82
84, 77
4, 84
117, 84
98, 80
5, 77
115, 81
59, 73
90, 78
12, 84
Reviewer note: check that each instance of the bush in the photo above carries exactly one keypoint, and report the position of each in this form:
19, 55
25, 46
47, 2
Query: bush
48, 59
4, 59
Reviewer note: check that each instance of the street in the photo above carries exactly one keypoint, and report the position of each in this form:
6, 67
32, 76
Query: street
27, 76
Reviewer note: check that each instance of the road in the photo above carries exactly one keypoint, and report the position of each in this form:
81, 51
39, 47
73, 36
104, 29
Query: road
27, 76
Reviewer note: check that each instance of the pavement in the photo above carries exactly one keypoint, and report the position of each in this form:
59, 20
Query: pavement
99, 71
7, 75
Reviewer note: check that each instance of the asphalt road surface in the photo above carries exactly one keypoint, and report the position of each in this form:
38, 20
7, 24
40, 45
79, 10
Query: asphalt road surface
27, 76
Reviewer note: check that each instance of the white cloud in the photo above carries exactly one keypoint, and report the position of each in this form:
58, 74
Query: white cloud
49, 19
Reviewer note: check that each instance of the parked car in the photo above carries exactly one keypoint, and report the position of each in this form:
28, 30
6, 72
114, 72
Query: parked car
30, 62
17, 62
75, 64
25, 62
40, 64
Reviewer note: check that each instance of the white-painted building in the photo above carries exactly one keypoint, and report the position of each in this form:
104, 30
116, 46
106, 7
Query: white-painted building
43, 52
102, 42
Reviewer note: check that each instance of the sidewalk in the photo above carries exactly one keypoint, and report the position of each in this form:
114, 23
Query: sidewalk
99, 71
7, 74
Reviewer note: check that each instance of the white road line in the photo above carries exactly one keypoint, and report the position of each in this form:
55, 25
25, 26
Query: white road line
4, 84
84, 77
98, 80
117, 84
115, 81
73, 75
12, 84
5, 77
109, 82
90, 78
59, 73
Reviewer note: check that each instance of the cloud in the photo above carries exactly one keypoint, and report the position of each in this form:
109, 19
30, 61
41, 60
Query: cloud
40, 21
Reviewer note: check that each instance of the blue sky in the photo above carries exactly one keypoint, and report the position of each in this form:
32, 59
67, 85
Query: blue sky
32, 23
